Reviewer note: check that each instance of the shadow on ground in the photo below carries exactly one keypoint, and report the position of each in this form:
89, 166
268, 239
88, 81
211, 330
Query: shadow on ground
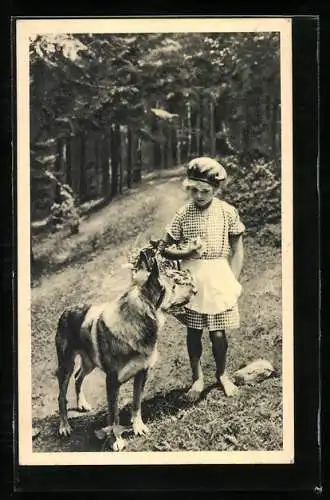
83, 439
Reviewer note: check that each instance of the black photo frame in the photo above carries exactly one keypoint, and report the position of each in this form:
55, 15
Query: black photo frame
304, 475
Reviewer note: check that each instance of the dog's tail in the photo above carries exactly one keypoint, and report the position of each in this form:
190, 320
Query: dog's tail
68, 328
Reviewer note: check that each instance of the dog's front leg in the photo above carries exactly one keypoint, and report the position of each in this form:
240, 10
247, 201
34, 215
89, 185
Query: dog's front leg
139, 427
112, 385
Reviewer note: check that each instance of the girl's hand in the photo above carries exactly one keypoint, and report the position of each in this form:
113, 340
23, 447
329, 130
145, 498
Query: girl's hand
196, 246
187, 251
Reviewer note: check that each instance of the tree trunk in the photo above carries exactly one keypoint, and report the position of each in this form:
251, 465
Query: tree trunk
121, 162
130, 156
193, 133
275, 118
212, 129
105, 166
188, 109
118, 142
76, 160
178, 146
169, 147
198, 131
183, 142
162, 146
174, 145
58, 168
68, 176
81, 168
155, 131
115, 144
245, 136
98, 163
155, 146
206, 128
137, 172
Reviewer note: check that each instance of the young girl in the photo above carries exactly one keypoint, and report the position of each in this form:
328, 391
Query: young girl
211, 231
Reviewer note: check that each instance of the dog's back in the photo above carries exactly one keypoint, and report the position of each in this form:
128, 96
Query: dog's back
109, 331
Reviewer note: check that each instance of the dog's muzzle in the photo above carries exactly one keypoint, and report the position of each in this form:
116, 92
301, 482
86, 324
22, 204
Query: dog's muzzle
179, 288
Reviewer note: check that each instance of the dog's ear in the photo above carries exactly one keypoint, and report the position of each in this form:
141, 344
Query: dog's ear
144, 261
155, 269
133, 252
154, 243
143, 270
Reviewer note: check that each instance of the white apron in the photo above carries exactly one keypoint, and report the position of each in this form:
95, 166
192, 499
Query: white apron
217, 288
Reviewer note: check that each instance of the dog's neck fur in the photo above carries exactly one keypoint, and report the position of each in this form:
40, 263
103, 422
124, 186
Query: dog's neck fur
143, 299
153, 291
139, 307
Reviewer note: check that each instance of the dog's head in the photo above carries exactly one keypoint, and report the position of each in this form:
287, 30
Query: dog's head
147, 265
179, 288
142, 262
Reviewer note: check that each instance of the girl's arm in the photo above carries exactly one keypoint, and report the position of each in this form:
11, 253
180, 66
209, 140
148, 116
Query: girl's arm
169, 249
237, 256
168, 240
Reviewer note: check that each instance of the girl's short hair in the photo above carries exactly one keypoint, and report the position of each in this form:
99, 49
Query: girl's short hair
206, 169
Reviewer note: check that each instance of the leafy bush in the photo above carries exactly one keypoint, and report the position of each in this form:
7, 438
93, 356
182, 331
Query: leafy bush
255, 190
270, 235
64, 211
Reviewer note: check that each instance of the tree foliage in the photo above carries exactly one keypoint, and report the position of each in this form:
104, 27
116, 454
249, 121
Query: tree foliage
163, 87
93, 80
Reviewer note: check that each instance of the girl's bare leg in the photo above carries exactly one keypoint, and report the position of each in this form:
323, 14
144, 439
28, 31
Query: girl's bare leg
194, 346
219, 349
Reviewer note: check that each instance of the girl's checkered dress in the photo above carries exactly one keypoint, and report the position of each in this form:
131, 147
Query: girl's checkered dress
214, 225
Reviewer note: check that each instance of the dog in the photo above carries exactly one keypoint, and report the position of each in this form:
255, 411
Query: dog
119, 337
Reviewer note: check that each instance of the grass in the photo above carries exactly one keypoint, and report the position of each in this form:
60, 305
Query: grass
80, 271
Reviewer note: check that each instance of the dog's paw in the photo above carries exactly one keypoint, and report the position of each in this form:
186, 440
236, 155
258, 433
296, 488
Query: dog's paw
65, 429
119, 444
84, 406
139, 427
